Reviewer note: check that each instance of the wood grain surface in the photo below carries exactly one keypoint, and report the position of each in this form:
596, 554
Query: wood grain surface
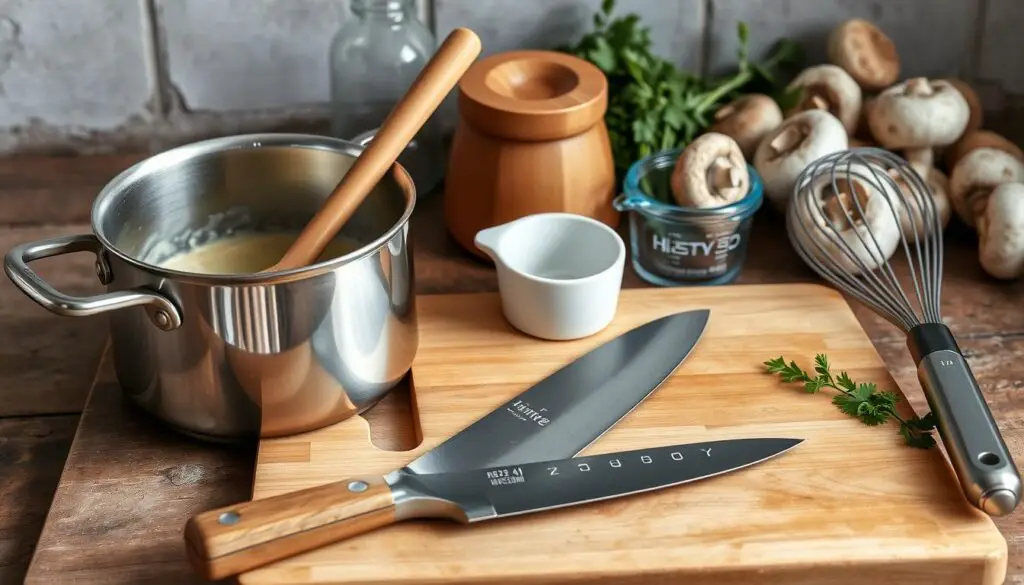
29, 447
42, 196
531, 138
275, 528
848, 505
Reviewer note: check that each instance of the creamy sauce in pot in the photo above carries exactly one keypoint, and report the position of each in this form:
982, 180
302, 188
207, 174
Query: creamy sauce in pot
246, 254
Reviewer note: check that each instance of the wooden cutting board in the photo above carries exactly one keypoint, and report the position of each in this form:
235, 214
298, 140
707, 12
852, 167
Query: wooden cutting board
850, 505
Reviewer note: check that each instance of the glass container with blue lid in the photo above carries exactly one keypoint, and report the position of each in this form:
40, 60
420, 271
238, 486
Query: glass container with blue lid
673, 245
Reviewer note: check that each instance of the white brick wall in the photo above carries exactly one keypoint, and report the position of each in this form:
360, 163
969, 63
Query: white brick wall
98, 71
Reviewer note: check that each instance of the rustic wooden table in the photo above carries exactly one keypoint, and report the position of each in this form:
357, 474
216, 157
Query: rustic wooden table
130, 486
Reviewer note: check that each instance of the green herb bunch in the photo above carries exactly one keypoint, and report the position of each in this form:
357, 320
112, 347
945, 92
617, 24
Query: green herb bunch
652, 106
862, 401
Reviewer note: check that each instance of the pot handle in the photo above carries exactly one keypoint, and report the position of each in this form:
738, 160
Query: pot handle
164, 314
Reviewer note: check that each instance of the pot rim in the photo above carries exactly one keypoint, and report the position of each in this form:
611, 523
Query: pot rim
110, 193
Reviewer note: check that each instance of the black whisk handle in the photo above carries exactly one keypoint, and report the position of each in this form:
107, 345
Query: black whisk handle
987, 474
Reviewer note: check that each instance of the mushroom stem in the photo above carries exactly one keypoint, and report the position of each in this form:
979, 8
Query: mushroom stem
789, 139
849, 198
977, 199
919, 86
921, 159
723, 175
725, 111
817, 102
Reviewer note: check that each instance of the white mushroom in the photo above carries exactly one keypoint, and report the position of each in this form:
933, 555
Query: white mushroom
913, 219
976, 175
865, 52
830, 88
1001, 232
787, 150
710, 172
916, 116
851, 222
977, 116
972, 140
747, 120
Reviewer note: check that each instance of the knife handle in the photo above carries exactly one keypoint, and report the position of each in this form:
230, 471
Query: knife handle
234, 539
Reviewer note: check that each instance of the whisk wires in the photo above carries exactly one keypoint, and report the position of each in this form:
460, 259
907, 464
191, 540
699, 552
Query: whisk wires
852, 212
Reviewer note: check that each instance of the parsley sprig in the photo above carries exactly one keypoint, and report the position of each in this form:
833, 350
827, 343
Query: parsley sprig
652, 105
862, 401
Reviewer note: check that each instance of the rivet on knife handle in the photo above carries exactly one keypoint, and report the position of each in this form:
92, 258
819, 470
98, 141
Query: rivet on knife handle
239, 538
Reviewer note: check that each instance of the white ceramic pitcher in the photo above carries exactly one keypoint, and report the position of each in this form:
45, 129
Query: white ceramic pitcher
559, 274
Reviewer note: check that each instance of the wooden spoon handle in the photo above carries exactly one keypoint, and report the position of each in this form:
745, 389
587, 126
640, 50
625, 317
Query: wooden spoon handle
234, 539
425, 95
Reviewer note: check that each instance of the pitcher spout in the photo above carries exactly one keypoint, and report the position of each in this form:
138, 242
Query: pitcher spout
487, 241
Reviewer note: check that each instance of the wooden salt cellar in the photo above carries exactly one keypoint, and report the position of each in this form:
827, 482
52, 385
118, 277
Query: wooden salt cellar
531, 138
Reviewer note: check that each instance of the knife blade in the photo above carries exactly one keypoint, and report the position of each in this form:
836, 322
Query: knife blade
564, 413
555, 418
510, 490
468, 496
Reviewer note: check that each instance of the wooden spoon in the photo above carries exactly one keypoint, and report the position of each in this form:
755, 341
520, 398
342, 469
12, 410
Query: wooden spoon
425, 95
291, 387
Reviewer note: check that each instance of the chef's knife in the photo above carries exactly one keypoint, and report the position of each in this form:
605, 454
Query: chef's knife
337, 511
556, 418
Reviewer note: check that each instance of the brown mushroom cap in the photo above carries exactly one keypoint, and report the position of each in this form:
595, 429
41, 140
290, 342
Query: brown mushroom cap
865, 52
747, 120
918, 113
710, 172
829, 88
977, 117
979, 139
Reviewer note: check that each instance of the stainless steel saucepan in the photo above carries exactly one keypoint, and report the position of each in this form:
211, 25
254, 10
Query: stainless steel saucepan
229, 357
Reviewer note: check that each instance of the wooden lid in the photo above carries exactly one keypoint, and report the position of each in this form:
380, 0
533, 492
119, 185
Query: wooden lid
533, 95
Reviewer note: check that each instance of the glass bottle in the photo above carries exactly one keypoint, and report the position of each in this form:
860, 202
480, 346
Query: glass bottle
374, 58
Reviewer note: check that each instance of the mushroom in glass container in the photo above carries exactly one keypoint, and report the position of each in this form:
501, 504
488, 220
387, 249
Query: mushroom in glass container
976, 176
747, 120
794, 144
916, 116
865, 52
829, 88
855, 218
710, 172
1001, 232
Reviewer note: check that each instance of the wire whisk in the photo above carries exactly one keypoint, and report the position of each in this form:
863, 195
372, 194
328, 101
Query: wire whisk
851, 214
